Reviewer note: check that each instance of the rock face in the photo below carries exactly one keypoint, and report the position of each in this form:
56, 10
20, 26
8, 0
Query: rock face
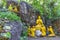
14, 3
16, 30
27, 13
56, 23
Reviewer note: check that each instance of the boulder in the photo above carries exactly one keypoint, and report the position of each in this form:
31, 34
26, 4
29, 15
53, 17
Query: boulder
28, 14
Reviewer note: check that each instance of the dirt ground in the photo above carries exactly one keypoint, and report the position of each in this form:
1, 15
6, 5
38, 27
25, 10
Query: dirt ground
45, 38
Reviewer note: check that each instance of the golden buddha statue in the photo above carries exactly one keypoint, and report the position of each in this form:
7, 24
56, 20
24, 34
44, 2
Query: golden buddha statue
15, 9
39, 20
32, 31
40, 26
10, 7
43, 30
50, 29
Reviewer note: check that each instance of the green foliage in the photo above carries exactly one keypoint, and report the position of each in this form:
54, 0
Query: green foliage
49, 8
3, 3
10, 16
7, 34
